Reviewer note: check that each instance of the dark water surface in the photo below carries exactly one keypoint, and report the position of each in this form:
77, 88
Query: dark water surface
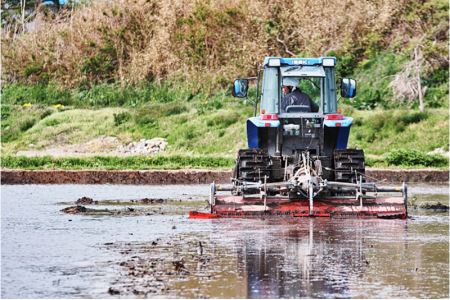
161, 253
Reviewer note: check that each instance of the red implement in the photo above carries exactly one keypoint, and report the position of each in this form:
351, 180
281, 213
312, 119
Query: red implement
238, 207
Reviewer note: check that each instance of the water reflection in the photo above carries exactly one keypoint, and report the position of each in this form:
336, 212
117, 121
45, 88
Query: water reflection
302, 260
333, 259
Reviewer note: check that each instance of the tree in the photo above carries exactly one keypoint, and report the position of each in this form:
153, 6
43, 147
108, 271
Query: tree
407, 84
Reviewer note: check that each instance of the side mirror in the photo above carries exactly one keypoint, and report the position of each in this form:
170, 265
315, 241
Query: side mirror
348, 88
240, 88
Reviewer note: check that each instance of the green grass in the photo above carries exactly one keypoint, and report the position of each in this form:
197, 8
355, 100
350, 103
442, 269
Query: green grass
116, 163
381, 131
101, 95
403, 157
48, 127
205, 126
202, 125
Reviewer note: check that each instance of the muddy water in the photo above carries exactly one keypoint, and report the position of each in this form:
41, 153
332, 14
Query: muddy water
156, 251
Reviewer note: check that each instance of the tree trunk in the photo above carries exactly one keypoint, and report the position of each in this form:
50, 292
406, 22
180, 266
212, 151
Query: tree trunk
419, 83
23, 4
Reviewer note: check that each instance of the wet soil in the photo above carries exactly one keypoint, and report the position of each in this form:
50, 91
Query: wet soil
47, 253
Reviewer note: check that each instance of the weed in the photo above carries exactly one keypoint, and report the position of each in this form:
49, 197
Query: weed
45, 114
5, 112
51, 122
27, 124
121, 118
223, 120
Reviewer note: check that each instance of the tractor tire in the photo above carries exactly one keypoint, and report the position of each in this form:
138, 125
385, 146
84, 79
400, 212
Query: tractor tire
327, 168
349, 164
252, 165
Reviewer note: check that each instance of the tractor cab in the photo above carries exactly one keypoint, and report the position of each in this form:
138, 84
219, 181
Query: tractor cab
298, 107
307, 76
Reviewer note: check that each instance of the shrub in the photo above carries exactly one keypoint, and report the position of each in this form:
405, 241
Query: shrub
5, 112
27, 124
403, 157
121, 118
413, 117
45, 113
51, 122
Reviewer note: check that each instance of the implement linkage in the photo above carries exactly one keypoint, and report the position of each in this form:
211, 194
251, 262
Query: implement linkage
306, 183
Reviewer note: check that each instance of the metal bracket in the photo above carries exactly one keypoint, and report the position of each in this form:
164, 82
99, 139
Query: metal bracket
212, 195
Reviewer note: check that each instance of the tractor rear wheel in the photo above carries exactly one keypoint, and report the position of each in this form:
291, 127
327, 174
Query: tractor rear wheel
252, 165
349, 164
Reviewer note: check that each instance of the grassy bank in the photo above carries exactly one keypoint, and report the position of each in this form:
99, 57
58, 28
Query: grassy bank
194, 125
116, 163
210, 140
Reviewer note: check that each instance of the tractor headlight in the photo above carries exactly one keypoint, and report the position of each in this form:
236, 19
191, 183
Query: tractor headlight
274, 62
328, 62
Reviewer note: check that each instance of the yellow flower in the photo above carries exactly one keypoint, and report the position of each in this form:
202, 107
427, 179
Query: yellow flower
27, 105
58, 106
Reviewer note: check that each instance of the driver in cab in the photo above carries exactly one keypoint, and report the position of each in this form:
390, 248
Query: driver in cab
294, 99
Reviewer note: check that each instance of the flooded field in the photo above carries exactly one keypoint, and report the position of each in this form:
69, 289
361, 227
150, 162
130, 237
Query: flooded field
116, 247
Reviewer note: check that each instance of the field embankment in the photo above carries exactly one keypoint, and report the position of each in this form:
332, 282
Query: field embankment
160, 177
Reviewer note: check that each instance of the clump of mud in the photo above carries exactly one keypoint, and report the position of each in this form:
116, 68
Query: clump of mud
434, 206
85, 201
132, 207
79, 209
74, 209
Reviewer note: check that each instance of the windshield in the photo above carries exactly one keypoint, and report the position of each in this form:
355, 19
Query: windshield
316, 82
301, 94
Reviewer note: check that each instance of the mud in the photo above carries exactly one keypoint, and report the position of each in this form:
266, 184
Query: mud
277, 259
124, 207
145, 201
434, 206
188, 176
50, 254
85, 201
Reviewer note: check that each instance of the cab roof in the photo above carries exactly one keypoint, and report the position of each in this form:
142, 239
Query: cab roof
295, 61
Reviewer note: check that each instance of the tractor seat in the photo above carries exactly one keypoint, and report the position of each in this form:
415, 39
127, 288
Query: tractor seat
298, 108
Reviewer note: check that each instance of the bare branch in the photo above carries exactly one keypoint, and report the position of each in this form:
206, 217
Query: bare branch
285, 46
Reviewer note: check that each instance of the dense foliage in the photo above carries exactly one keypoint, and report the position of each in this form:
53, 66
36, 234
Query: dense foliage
203, 45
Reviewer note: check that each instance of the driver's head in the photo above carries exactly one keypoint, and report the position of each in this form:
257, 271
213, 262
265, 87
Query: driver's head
288, 84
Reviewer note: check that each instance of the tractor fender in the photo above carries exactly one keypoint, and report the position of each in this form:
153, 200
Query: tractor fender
346, 122
252, 129
343, 130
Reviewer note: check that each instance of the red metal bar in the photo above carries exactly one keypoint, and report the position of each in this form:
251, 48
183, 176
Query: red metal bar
238, 207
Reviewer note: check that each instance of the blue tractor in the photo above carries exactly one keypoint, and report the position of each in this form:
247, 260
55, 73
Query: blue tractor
289, 127
297, 163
